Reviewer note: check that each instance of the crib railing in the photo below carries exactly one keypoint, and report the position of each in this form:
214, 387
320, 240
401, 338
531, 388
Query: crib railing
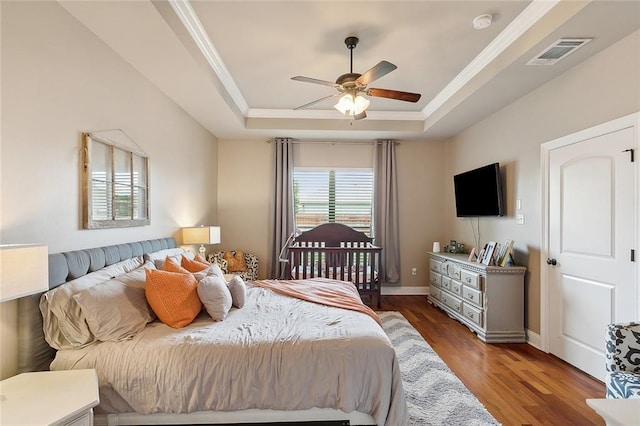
357, 262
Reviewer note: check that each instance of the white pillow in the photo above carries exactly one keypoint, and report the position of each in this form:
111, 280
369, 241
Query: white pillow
238, 290
63, 322
213, 270
215, 296
117, 309
176, 254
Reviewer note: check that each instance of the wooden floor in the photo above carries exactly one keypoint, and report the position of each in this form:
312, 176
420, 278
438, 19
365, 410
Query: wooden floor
516, 382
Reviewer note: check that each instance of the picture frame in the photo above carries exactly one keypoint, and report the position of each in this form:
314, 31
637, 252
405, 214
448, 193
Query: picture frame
488, 253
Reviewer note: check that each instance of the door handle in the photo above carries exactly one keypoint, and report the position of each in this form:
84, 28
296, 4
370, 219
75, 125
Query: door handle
552, 262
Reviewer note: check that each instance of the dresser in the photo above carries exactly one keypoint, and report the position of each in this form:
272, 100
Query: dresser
487, 299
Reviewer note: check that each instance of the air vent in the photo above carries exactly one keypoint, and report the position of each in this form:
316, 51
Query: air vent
558, 50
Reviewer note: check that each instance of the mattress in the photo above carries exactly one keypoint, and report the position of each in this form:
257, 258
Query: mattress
277, 353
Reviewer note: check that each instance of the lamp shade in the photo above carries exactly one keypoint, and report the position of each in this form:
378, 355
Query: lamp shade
24, 270
201, 235
350, 105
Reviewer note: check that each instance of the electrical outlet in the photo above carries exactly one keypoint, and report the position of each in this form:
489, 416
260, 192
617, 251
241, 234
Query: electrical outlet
520, 219
414, 271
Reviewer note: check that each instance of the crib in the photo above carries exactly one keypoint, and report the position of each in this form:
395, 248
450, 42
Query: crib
337, 251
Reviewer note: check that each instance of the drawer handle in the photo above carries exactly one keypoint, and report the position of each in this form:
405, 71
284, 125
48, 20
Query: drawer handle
469, 280
470, 296
470, 315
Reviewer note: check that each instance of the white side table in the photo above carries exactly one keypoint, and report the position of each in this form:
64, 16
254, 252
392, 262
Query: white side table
49, 398
617, 412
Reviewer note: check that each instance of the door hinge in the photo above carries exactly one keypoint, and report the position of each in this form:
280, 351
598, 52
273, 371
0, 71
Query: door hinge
630, 150
633, 255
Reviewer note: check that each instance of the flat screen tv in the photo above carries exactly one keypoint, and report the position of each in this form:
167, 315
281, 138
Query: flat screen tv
478, 192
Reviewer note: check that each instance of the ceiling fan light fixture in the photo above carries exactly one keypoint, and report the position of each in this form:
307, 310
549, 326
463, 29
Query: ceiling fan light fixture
348, 105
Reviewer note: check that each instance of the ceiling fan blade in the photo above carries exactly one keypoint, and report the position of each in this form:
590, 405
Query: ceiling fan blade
314, 81
380, 69
393, 94
316, 101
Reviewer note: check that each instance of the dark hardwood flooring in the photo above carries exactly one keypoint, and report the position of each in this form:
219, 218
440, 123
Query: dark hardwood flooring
517, 383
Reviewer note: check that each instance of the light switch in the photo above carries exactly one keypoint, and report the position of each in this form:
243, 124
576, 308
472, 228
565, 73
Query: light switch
518, 204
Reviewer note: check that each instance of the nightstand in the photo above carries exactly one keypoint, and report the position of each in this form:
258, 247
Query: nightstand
49, 398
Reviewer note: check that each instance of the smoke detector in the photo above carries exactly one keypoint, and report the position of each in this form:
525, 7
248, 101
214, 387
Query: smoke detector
483, 21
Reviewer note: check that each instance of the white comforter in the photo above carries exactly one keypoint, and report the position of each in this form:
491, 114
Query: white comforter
276, 352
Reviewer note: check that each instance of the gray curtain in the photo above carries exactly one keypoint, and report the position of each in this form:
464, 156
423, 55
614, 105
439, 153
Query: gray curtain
283, 218
385, 209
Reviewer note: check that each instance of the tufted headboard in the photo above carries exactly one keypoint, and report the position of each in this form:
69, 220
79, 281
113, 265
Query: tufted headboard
34, 353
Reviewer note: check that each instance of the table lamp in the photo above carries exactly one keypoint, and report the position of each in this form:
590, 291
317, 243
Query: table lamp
201, 235
24, 270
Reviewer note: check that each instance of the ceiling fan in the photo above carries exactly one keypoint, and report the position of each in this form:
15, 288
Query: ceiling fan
351, 85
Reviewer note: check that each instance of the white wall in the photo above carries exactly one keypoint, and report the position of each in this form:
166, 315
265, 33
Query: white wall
602, 88
59, 80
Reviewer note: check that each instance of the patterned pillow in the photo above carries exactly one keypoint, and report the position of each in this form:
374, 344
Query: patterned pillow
235, 261
173, 297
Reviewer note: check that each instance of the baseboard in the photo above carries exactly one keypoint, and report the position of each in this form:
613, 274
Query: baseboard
534, 339
404, 291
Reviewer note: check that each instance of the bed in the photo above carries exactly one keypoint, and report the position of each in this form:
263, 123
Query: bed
251, 367
337, 251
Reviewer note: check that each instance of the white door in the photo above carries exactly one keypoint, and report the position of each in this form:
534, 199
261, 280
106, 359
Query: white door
592, 278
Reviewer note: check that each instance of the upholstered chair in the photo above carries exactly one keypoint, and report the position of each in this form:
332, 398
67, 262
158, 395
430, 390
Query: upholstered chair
236, 262
623, 360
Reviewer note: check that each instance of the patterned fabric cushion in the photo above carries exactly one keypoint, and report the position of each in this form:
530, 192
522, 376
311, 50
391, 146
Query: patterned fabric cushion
622, 385
623, 360
235, 261
250, 260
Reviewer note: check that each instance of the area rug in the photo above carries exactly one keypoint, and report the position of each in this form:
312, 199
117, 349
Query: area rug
435, 396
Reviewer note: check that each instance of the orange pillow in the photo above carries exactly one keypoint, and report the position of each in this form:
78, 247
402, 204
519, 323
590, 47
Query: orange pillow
201, 259
170, 265
235, 261
173, 297
193, 265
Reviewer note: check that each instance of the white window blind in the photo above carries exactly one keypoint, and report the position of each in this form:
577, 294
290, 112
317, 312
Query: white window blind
117, 186
333, 195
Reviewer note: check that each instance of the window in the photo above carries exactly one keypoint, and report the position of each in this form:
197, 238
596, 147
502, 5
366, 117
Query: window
116, 185
333, 195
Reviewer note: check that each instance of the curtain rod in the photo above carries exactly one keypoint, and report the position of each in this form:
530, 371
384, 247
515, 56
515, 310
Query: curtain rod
332, 141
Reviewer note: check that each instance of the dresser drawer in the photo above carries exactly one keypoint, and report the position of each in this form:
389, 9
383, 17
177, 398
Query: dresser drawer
435, 279
453, 270
456, 287
446, 283
451, 301
435, 265
435, 292
473, 314
472, 295
470, 279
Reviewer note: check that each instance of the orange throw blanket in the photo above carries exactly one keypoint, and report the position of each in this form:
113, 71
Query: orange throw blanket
339, 294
